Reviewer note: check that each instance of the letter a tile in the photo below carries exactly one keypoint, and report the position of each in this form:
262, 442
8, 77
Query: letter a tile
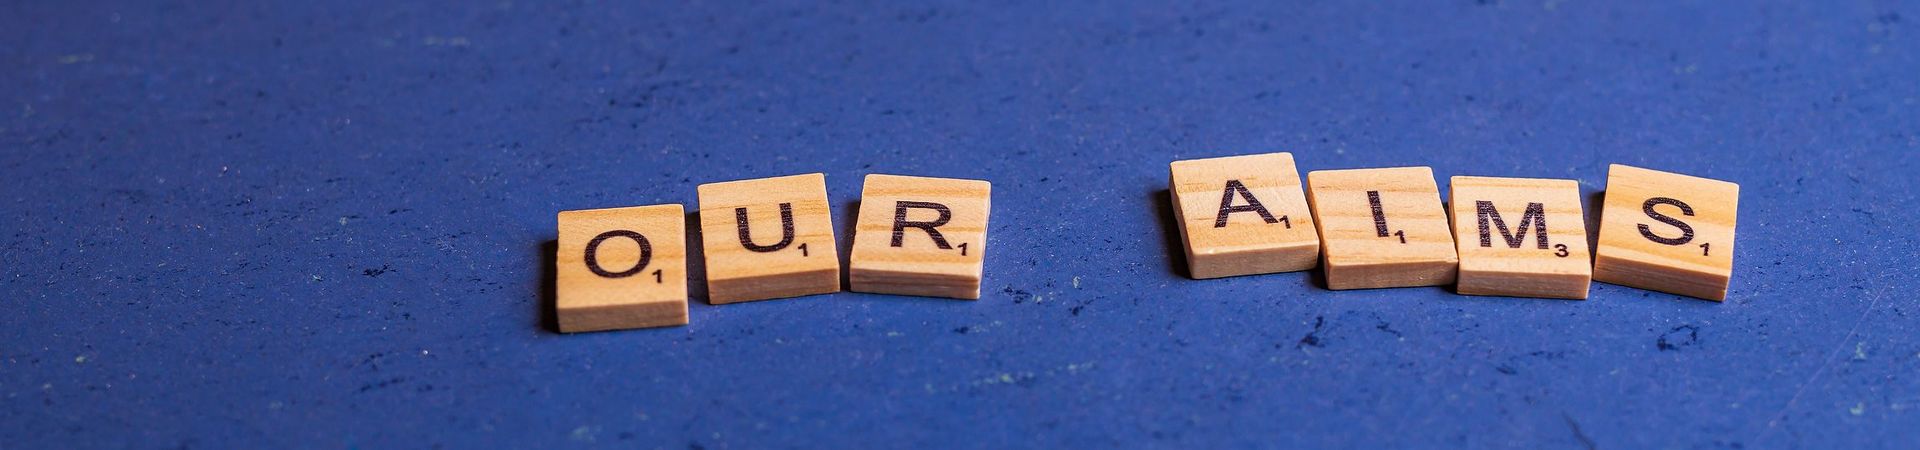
768, 238
621, 268
1667, 232
1382, 228
1243, 215
1521, 237
920, 236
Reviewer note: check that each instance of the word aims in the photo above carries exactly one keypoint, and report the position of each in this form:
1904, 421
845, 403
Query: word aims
768, 238
1521, 237
621, 268
1667, 232
1382, 228
1243, 215
920, 236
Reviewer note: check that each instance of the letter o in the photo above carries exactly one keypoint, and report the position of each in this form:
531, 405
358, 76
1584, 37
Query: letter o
593, 248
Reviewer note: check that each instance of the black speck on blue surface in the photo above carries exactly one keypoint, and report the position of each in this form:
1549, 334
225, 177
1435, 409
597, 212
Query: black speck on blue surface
327, 224
1678, 337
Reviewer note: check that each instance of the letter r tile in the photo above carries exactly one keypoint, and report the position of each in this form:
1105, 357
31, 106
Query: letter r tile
768, 238
920, 236
1243, 215
1520, 237
1667, 232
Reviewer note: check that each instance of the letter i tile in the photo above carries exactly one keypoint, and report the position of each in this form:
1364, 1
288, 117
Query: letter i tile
1382, 228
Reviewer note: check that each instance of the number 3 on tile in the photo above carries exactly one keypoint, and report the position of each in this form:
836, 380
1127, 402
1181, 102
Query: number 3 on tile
1560, 250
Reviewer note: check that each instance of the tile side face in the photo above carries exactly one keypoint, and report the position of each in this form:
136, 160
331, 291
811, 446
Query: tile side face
768, 238
621, 268
1520, 237
920, 236
1667, 232
1243, 215
1382, 228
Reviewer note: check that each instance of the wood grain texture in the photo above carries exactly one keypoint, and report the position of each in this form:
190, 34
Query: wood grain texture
1667, 232
1407, 242
1521, 262
1247, 242
771, 254
949, 266
605, 278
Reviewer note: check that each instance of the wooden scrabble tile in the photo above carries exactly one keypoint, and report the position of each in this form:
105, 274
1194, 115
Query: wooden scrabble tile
1382, 228
1243, 215
1520, 237
1667, 232
768, 238
920, 236
621, 268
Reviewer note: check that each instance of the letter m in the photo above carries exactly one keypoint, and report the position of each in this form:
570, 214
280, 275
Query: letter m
1536, 216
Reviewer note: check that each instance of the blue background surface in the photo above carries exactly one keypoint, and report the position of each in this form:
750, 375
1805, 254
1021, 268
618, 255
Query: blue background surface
252, 224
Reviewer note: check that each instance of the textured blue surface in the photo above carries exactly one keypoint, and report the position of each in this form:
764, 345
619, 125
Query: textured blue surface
249, 224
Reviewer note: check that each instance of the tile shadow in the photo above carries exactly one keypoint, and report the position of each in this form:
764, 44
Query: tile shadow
848, 225
696, 261
1596, 202
549, 297
1170, 239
